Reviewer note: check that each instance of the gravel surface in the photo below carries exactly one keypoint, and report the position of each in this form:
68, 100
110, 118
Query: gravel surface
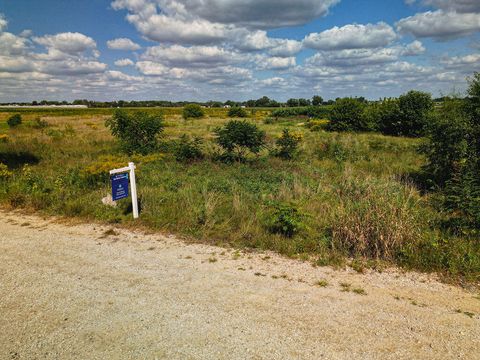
83, 292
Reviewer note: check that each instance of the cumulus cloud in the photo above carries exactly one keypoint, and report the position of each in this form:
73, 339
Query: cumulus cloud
124, 62
276, 63
259, 14
352, 36
462, 6
69, 43
123, 44
256, 14
3, 22
440, 24
194, 56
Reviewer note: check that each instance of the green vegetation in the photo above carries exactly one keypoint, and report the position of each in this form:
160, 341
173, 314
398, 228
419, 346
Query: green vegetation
237, 112
193, 111
137, 132
340, 196
239, 137
14, 120
288, 144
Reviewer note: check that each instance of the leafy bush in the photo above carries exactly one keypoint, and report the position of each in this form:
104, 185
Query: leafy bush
187, 149
3, 138
193, 111
288, 144
237, 112
14, 120
415, 108
138, 132
285, 219
453, 152
238, 137
348, 115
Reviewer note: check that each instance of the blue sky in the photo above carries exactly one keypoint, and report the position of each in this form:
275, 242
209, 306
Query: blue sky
235, 49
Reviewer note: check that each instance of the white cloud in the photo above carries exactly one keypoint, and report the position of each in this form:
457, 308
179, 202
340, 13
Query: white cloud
440, 25
69, 43
123, 44
196, 56
259, 14
255, 14
11, 44
462, 6
3, 22
124, 62
353, 36
285, 48
276, 63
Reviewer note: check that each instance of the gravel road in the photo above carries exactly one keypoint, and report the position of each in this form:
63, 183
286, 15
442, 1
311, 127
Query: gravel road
82, 292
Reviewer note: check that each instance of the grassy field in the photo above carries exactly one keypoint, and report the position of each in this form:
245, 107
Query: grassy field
350, 195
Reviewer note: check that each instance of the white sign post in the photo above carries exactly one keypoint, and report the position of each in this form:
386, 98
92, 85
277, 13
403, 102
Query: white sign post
133, 185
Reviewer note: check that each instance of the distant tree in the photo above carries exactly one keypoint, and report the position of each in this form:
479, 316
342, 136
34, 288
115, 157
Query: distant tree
304, 102
293, 103
317, 100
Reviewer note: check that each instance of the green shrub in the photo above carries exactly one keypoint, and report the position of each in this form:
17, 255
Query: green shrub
187, 149
40, 124
285, 219
14, 120
193, 111
288, 144
453, 153
238, 137
348, 115
316, 112
237, 112
5, 174
415, 108
138, 132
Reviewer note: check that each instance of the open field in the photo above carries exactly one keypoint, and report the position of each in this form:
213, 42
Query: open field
88, 291
348, 189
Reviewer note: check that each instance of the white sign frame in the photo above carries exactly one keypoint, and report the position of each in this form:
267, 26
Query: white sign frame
133, 185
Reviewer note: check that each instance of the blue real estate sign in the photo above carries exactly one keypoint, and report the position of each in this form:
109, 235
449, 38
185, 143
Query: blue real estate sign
119, 186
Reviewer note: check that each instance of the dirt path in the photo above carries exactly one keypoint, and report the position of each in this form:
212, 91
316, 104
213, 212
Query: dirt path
75, 293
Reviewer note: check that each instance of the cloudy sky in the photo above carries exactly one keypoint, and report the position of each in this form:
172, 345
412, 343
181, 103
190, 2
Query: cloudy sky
235, 49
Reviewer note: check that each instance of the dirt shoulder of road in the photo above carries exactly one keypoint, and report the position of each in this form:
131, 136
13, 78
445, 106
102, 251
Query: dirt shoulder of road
77, 291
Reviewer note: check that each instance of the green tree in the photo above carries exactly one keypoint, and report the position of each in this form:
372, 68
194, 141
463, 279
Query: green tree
416, 110
317, 100
453, 153
193, 111
293, 103
348, 115
138, 132
238, 137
